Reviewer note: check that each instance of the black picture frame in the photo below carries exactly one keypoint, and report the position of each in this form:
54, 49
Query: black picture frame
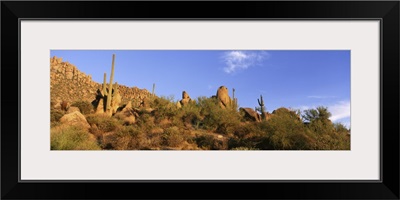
386, 11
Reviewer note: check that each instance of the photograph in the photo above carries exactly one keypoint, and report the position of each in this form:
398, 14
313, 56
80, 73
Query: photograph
298, 97
200, 99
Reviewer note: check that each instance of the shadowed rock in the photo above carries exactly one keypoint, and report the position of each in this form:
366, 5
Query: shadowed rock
250, 114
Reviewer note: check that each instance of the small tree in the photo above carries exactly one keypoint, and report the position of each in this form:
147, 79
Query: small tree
320, 113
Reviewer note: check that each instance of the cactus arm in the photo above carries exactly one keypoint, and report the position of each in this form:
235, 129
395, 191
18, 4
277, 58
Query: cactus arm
115, 87
261, 103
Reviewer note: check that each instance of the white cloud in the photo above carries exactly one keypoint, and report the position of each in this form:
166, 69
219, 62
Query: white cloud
340, 110
235, 60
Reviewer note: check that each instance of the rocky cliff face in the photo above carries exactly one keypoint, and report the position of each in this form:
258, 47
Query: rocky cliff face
69, 84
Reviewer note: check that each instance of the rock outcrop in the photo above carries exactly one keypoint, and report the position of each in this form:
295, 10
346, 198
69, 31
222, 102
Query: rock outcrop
283, 110
223, 97
250, 114
185, 99
69, 84
75, 119
73, 109
127, 114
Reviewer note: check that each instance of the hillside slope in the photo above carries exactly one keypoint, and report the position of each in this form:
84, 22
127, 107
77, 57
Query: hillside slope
69, 84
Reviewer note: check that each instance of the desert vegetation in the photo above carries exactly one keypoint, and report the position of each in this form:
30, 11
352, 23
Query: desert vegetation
200, 125
113, 122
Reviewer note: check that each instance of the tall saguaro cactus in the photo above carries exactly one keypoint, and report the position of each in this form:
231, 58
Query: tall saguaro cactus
108, 105
104, 90
154, 87
261, 103
234, 100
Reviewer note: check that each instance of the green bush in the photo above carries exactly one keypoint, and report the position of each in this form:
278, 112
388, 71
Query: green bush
244, 148
104, 123
55, 115
146, 122
164, 108
209, 142
285, 131
131, 138
84, 106
72, 138
173, 137
249, 135
215, 118
188, 114
340, 128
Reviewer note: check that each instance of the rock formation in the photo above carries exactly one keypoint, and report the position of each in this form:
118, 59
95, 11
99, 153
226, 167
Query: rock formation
73, 109
223, 97
75, 119
185, 99
69, 84
283, 110
250, 114
127, 114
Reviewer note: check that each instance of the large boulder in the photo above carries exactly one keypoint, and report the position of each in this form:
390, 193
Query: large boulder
116, 100
128, 115
283, 111
100, 106
223, 97
76, 119
73, 109
185, 100
250, 115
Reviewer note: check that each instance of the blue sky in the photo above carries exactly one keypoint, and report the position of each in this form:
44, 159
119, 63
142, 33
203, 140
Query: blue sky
299, 79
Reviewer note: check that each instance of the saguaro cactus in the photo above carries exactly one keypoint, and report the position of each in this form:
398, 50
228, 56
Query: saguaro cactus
104, 90
234, 100
261, 103
154, 87
108, 107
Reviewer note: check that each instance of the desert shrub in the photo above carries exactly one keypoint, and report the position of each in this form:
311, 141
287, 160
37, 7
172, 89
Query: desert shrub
244, 148
104, 123
154, 141
84, 106
244, 130
72, 138
172, 137
215, 118
146, 122
164, 108
131, 138
209, 142
340, 128
55, 115
188, 114
327, 135
322, 127
235, 142
285, 130
247, 135
320, 113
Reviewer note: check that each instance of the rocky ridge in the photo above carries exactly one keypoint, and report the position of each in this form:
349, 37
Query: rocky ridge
68, 84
